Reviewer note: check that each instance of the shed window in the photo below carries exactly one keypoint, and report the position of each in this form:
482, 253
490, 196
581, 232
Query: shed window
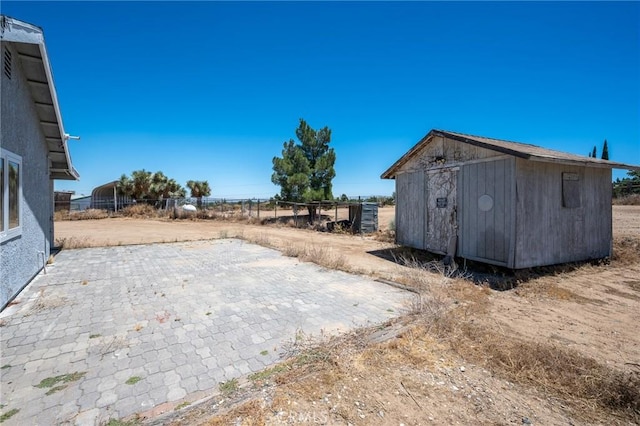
570, 190
10, 195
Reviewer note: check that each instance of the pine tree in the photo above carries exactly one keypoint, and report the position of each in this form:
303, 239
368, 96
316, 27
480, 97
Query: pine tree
605, 151
594, 153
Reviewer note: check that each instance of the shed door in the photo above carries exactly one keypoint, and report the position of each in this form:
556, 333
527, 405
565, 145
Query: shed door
441, 223
486, 211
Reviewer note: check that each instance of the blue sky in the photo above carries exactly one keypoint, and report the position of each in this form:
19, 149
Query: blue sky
211, 90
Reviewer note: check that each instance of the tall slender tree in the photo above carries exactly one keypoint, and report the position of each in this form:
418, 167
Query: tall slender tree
594, 153
605, 151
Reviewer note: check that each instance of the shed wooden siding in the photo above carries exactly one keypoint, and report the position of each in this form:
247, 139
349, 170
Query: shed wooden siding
550, 233
449, 152
487, 234
410, 209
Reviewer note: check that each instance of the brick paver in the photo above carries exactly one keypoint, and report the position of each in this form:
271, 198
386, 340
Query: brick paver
154, 324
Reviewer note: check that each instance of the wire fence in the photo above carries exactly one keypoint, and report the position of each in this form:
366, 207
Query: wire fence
253, 207
357, 214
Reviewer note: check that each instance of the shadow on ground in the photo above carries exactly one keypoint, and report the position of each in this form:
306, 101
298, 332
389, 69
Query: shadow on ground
496, 277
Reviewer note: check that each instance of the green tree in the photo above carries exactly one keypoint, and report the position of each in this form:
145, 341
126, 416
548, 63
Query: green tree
163, 187
149, 187
605, 151
306, 170
594, 153
199, 189
137, 186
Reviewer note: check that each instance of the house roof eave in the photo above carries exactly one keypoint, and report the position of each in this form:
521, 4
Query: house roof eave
23, 33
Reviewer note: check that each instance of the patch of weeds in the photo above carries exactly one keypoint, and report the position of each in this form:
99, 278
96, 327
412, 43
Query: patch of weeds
183, 405
264, 353
208, 313
137, 327
269, 372
4, 367
55, 389
133, 380
94, 336
229, 387
84, 282
389, 310
51, 382
116, 422
8, 414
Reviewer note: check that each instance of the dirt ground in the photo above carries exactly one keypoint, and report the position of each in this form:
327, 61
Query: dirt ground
591, 310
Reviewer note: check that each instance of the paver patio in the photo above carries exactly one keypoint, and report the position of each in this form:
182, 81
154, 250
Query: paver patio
176, 319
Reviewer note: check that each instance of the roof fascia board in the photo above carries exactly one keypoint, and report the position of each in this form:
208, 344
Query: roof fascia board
56, 107
603, 165
482, 144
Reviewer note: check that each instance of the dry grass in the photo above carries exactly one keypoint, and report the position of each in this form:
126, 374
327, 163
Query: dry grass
551, 368
143, 211
447, 312
89, 214
626, 250
45, 302
73, 242
628, 200
386, 236
320, 255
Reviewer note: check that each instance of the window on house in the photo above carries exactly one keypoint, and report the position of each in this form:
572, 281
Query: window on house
10, 195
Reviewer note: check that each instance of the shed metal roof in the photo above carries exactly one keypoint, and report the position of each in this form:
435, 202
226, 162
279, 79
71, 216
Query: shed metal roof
28, 41
517, 149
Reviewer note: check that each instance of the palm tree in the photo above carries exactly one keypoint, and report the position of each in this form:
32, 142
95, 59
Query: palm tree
141, 182
199, 189
124, 186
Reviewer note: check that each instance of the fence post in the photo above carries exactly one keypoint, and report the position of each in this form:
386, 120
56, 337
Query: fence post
275, 210
336, 212
258, 208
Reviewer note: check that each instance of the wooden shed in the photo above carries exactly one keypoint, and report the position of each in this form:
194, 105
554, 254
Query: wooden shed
503, 203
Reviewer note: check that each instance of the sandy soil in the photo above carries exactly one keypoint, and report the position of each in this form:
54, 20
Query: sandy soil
592, 309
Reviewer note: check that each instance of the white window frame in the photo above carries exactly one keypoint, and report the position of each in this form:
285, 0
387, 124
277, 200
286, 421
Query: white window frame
6, 233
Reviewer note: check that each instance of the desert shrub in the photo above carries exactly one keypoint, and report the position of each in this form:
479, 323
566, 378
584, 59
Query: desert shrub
88, 214
61, 215
141, 211
627, 200
73, 242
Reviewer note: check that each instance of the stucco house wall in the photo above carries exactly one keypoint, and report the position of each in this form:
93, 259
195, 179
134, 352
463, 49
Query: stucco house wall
31, 134
22, 256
